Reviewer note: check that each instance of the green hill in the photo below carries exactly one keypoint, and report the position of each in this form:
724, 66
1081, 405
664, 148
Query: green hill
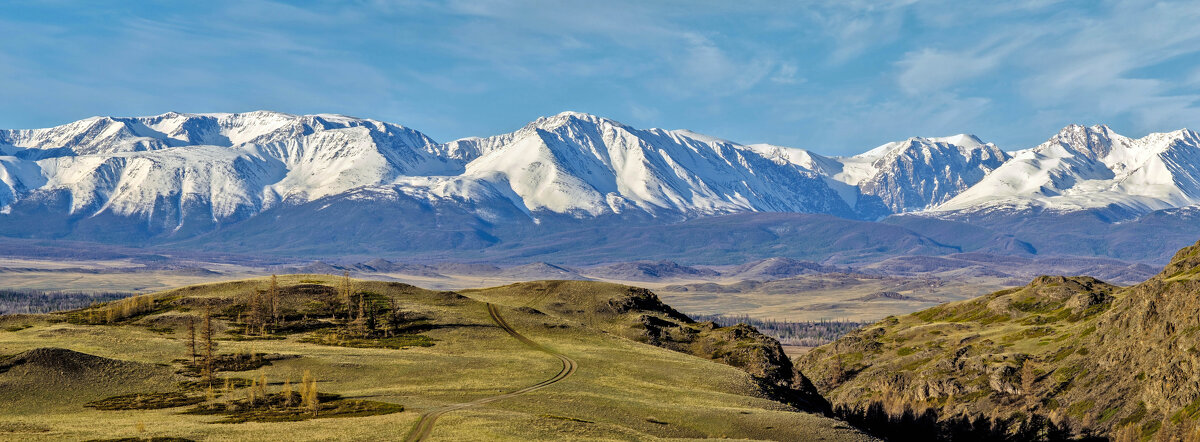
305, 361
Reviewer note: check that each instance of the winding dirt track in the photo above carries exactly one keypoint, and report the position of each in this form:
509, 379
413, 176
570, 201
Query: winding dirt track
425, 424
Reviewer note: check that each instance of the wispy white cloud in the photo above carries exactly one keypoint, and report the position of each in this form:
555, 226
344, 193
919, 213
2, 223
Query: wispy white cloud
932, 70
835, 75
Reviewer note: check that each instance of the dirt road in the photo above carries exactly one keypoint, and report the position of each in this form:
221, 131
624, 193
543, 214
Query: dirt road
425, 424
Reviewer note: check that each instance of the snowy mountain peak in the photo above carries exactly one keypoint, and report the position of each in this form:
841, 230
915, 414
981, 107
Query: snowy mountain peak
584, 165
919, 173
902, 176
1093, 142
685, 133
571, 117
215, 167
191, 172
1086, 167
801, 157
1182, 136
962, 140
172, 129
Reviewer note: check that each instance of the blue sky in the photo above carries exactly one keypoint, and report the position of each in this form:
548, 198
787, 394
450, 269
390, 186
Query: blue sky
836, 76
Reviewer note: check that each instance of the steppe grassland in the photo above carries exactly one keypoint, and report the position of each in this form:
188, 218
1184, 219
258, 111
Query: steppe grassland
622, 390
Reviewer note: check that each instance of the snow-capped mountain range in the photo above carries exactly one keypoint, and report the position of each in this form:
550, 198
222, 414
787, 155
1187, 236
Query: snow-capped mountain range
1092, 167
196, 172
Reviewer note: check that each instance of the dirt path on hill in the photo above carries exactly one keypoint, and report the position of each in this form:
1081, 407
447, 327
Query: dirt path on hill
425, 424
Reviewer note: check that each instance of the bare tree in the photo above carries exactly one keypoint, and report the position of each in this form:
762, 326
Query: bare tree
395, 318
191, 329
361, 305
345, 291
254, 318
273, 297
206, 335
1127, 433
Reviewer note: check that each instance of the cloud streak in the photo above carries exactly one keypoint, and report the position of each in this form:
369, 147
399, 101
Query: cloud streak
836, 76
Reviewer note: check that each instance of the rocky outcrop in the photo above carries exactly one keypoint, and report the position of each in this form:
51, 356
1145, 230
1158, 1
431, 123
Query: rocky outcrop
1063, 357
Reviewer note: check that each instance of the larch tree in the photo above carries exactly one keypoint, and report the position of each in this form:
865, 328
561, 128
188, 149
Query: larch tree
344, 293
262, 384
273, 297
361, 306
287, 391
206, 335
254, 319
191, 330
308, 393
395, 318
370, 322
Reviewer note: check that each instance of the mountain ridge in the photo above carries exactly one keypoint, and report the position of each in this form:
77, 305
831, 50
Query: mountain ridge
174, 176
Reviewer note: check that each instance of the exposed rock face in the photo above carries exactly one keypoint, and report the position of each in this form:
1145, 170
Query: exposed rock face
920, 173
1061, 357
740, 346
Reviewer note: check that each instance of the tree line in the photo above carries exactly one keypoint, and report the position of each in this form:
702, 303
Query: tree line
804, 333
42, 301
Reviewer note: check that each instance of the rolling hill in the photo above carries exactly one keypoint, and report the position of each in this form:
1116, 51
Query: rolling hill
542, 360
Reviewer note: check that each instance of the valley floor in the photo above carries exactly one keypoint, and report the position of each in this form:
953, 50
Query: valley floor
815, 297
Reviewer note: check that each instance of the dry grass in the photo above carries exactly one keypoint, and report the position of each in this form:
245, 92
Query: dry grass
623, 390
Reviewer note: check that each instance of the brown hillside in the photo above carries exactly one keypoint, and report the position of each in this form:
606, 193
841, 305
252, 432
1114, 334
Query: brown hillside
637, 314
51, 377
1063, 357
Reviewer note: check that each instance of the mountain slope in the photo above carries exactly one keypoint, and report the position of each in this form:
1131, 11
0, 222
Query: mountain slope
1084, 168
920, 173
1062, 356
903, 176
242, 179
180, 174
206, 169
584, 165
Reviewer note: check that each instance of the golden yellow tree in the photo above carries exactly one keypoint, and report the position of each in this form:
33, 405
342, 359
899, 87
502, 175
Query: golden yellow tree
262, 385
287, 391
308, 393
